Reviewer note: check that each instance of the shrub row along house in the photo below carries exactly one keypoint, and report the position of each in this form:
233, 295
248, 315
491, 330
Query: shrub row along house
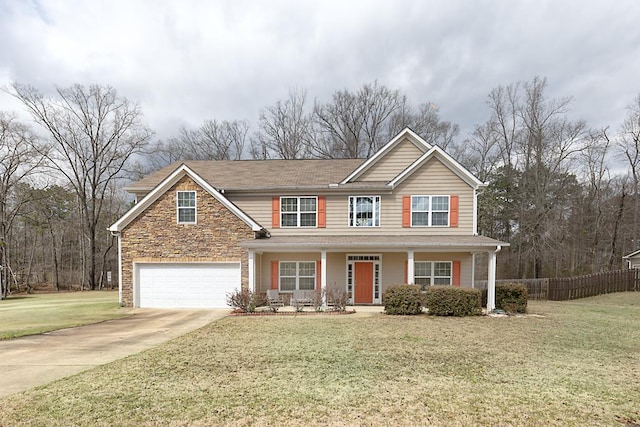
201, 229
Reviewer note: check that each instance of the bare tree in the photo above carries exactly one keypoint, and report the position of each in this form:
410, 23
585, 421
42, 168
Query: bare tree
285, 129
595, 212
535, 181
425, 121
213, 140
629, 149
355, 125
20, 156
482, 151
94, 132
52, 207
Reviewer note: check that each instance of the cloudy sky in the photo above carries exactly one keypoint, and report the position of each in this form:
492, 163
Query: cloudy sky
187, 61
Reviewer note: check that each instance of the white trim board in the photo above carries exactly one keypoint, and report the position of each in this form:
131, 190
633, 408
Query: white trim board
165, 185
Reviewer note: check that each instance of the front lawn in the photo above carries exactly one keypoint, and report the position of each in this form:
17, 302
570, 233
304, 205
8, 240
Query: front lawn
574, 363
37, 313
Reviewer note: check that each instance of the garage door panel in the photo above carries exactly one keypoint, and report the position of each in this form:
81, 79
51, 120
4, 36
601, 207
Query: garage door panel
168, 285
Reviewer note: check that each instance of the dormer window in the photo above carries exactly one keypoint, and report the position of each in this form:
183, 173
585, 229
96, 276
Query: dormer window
186, 202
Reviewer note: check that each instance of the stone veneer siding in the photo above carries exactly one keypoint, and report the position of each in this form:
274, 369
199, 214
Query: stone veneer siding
156, 236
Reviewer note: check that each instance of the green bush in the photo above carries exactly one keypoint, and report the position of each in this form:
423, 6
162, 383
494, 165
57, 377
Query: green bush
450, 301
510, 297
403, 299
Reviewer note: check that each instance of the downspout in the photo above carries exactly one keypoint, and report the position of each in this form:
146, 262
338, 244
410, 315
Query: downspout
116, 234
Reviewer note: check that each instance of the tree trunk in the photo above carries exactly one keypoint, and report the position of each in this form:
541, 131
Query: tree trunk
616, 225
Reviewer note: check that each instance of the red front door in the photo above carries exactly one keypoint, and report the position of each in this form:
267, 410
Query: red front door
363, 286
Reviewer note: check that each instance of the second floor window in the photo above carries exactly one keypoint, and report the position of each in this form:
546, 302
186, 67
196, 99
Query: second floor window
298, 211
430, 211
364, 211
186, 201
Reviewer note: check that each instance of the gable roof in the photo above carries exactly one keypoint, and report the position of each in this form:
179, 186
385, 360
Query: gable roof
406, 133
447, 160
259, 174
316, 174
169, 182
632, 254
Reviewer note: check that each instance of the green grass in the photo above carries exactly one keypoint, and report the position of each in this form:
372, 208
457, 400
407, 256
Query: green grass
575, 363
37, 313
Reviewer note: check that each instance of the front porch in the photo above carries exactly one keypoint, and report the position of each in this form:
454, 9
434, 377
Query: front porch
365, 267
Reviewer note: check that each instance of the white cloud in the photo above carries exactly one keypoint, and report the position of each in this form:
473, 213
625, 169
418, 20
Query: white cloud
189, 61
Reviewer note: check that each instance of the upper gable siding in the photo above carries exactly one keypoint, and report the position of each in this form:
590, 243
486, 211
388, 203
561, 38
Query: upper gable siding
394, 162
433, 178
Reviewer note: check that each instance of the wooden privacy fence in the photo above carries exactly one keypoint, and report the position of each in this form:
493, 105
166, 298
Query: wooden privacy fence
562, 289
536, 288
566, 288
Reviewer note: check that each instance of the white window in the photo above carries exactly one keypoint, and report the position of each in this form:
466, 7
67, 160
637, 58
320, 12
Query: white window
297, 275
186, 202
429, 273
364, 211
429, 211
298, 211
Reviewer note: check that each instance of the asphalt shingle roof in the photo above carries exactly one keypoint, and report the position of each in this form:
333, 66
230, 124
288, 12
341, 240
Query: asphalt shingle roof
260, 174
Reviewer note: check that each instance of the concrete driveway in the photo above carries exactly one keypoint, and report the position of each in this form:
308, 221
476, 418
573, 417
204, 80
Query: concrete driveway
39, 359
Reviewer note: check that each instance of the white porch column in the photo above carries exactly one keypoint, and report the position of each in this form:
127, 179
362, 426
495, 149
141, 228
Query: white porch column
252, 275
323, 276
119, 237
491, 282
473, 270
410, 268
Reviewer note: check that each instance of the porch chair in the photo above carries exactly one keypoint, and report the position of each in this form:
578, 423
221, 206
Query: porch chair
274, 300
301, 298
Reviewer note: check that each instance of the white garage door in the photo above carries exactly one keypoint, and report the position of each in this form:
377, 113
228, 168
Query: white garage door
166, 285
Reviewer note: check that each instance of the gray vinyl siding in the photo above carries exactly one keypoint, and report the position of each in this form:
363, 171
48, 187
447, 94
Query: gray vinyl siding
257, 206
434, 178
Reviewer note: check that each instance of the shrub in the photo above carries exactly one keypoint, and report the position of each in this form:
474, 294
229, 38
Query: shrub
449, 301
297, 304
403, 299
316, 300
510, 297
338, 298
244, 300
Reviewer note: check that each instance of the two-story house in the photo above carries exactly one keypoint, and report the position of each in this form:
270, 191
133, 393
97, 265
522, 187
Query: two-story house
201, 229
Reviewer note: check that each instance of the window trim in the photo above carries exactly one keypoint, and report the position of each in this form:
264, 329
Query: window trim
430, 211
298, 212
194, 207
432, 277
376, 212
297, 276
